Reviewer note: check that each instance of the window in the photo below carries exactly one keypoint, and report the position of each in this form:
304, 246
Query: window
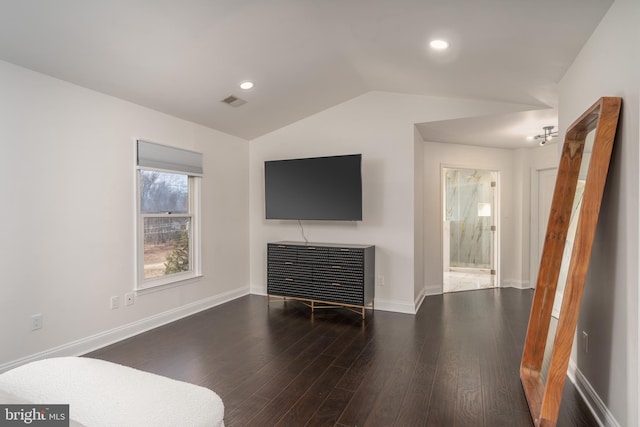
168, 193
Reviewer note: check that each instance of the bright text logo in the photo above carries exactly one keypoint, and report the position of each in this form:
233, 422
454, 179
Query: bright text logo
34, 415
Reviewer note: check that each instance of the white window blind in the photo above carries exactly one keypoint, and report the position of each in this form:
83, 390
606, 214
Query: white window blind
157, 156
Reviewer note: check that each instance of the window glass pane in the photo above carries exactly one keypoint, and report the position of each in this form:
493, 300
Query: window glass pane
162, 192
166, 246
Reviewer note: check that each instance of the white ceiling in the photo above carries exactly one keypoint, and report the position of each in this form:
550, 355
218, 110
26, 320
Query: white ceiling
183, 57
499, 131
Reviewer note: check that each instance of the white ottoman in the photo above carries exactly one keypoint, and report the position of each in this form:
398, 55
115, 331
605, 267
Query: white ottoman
106, 394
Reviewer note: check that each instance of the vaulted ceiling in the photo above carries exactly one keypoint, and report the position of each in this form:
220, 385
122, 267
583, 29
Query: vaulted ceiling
304, 56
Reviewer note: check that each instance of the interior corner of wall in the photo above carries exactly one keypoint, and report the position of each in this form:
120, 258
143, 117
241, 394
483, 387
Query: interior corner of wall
257, 290
430, 290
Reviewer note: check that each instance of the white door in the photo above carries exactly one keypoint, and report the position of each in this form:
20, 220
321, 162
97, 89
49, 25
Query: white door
543, 185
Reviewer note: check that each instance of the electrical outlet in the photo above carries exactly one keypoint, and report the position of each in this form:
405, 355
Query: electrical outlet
380, 280
115, 302
585, 341
36, 322
129, 298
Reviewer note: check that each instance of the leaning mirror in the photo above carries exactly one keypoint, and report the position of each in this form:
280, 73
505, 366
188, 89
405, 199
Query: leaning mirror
571, 227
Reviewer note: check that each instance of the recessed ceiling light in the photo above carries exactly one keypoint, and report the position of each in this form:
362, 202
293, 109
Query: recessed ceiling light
246, 85
439, 44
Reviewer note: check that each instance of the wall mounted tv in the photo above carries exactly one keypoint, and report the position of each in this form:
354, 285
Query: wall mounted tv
317, 188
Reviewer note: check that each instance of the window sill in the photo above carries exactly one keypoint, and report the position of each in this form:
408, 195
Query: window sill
162, 286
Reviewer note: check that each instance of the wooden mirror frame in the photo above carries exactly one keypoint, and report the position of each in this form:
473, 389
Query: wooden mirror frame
544, 398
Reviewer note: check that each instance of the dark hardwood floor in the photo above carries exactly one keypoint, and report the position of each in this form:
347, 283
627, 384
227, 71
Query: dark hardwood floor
455, 363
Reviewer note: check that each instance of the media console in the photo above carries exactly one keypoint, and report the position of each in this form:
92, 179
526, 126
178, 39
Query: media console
322, 275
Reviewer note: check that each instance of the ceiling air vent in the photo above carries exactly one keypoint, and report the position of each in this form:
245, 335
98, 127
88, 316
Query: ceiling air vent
234, 101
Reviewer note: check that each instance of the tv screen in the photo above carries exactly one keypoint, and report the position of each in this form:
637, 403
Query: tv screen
318, 188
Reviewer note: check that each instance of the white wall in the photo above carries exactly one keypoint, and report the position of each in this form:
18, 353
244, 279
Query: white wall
379, 125
437, 155
609, 65
68, 214
526, 162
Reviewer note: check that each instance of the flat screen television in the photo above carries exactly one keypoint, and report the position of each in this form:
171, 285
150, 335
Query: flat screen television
317, 188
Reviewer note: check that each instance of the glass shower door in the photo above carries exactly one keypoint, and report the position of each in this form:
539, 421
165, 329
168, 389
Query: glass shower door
469, 229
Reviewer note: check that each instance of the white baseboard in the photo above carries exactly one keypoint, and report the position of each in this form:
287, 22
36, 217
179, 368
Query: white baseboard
427, 291
518, 284
432, 290
418, 301
396, 306
380, 304
258, 290
101, 339
603, 416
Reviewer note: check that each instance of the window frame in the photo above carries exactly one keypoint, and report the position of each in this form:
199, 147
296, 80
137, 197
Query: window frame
194, 195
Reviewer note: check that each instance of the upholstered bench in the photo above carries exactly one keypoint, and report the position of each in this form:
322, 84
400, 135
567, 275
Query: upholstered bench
102, 393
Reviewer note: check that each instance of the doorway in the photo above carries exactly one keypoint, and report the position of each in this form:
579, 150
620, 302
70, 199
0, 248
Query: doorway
469, 232
542, 184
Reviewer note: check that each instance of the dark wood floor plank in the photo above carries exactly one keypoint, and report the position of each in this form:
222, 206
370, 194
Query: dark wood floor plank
244, 391
469, 406
388, 357
360, 368
455, 363
312, 399
389, 402
350, 332
352, 350
281, 404
443, 394
241, 415
291, 371
331, 409
497, 366
415, 405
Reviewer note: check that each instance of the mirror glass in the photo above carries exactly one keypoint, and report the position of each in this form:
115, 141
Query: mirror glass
568, 248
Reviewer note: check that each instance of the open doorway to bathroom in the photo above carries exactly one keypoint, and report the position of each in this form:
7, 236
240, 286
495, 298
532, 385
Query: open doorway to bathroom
469, 231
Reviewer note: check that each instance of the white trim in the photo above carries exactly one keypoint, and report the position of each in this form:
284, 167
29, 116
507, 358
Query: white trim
425, 292
496, 218
518, 284
185, 280
395, 306
379, 304
102, 339
601, 413
258, 290
418, 300
432, 290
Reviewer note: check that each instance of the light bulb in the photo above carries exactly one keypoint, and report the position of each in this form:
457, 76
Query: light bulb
439, 44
